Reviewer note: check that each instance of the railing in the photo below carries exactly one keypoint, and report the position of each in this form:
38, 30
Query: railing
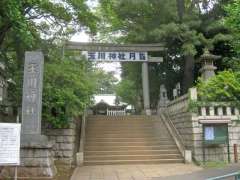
116, 112
178, 105
218, 111
235, 176
181, 103
80, 154
177, 137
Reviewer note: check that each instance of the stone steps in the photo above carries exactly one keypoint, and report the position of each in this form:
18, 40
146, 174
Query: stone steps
152, 161
112, 148
131, 152
128, 140
132, 157
120, 139
129, 143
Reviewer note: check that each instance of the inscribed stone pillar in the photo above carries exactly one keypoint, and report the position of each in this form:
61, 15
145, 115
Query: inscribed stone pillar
36, 151
32, 93
145, 84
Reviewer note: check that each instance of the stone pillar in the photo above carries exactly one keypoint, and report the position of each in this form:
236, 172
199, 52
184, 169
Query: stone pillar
36, 155
145, 84
163, 98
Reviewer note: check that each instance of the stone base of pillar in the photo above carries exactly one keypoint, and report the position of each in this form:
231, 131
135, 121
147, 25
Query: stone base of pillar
148, 112
36, 159
79, 157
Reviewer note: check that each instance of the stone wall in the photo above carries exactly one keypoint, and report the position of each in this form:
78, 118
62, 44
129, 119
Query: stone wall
65, 141
182, 119
191, 130
36, 160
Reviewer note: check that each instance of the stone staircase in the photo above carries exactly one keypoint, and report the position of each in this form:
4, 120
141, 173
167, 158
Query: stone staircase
128, 140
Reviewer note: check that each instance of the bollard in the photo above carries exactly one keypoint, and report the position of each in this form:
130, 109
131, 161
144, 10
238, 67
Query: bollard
235, 153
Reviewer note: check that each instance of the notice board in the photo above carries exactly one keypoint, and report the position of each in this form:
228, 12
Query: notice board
215, 134
10, 144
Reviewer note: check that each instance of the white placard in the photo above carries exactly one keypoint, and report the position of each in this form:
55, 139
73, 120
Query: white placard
10, 144
209, 133
116, 56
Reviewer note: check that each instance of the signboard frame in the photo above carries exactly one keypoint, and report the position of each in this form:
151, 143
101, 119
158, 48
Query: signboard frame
218, 137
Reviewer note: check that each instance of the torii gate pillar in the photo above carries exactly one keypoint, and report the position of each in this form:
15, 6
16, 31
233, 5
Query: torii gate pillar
145, 84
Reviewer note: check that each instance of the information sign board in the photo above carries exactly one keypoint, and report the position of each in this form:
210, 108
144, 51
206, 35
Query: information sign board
10, 144
215, 134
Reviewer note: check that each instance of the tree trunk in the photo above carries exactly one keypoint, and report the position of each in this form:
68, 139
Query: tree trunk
188, 76
3, 31
181, 9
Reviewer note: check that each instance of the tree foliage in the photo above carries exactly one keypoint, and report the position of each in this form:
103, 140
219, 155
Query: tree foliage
233, 21
52, 19
106, 82
41, 24
68, 87
225, 87
184, 27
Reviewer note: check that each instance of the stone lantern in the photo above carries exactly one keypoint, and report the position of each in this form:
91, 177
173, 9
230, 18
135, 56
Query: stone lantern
208, 68
163, 98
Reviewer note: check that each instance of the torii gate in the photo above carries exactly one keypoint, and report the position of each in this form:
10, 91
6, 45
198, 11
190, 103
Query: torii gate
103, 52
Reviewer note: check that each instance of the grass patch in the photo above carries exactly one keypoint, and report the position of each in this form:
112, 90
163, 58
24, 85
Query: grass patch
214, 164
64, 172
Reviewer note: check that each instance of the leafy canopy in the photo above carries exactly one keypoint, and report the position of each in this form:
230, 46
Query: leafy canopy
68, 87
225, 87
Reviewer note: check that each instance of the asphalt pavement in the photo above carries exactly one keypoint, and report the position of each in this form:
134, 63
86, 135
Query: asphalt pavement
205, 174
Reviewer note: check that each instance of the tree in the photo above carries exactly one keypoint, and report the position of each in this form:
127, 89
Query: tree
184, 27
68, 87
225, 87
41, 24
28, 18
127, 91
106, 82
233, 21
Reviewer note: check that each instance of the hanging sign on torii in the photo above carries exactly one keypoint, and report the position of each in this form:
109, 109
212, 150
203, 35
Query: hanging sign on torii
116, 56
105, 52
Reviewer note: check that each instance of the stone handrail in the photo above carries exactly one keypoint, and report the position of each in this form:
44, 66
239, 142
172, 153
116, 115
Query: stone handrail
82, 140
177, 137
181, 103
218, 111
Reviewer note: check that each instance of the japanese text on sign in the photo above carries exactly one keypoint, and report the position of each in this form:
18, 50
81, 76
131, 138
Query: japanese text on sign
10, 144
116, 56
32, 93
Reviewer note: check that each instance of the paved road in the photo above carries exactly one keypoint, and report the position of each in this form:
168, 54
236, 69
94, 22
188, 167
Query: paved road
132, 172
204, 174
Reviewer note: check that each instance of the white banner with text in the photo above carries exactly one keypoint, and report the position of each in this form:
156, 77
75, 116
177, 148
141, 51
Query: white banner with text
116, 56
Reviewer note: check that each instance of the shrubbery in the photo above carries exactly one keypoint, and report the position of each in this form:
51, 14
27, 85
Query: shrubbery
224, 87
